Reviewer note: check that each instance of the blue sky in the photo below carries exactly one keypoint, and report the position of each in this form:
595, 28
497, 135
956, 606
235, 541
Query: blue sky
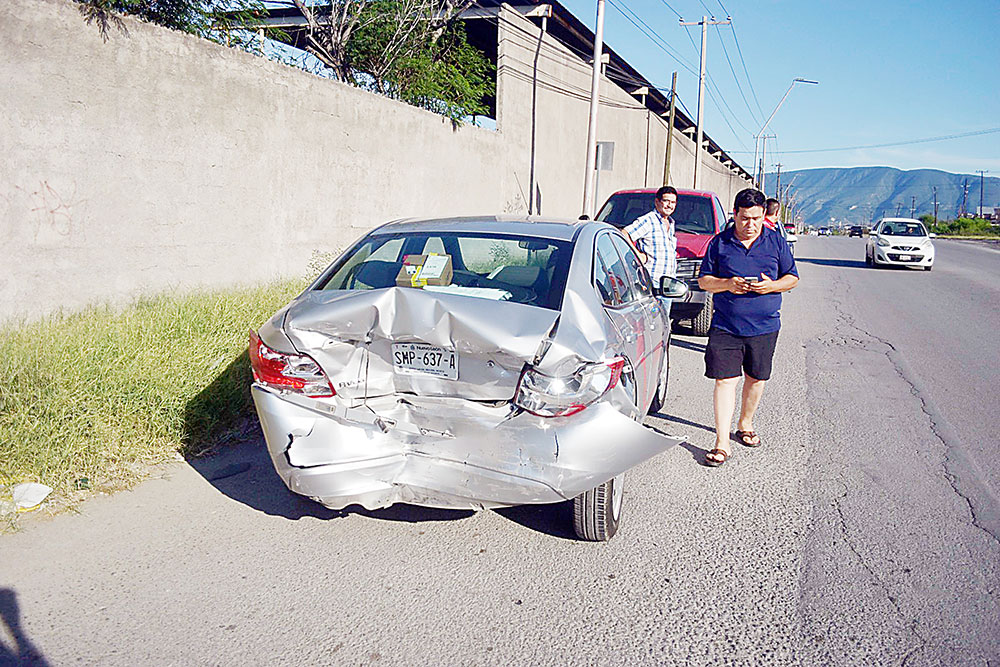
889, 71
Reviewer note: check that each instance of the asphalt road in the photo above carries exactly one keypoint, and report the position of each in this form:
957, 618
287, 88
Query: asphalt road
865, 531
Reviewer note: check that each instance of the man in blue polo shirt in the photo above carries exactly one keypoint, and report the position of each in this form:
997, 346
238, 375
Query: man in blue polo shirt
747, 267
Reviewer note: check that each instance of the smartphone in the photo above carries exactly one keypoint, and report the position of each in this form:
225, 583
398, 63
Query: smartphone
751, 279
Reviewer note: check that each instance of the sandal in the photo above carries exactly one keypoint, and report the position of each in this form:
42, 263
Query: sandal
746, 438
722, 455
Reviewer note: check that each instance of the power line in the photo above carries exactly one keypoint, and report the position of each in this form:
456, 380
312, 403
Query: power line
720, 107
652, 35
732, 69
753, 92
661, 43
672, 9
945, 137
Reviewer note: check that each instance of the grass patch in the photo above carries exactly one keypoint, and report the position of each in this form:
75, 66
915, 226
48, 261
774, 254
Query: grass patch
101, 394
966, 228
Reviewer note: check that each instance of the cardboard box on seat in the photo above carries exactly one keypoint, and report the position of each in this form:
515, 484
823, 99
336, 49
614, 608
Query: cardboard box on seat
421, 270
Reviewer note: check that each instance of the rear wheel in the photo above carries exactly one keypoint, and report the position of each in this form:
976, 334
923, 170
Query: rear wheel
660, 397
597, 513
703, 321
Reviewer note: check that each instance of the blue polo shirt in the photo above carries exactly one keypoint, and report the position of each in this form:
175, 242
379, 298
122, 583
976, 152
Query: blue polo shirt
748, 314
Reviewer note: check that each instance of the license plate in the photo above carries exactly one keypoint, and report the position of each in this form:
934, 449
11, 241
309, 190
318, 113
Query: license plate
419, 359
904, 258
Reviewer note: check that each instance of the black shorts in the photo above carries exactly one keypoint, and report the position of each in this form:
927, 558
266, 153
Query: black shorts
729, 356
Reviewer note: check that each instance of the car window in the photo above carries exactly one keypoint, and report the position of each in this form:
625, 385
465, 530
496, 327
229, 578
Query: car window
434, 245
638, 276
622, 209
388, 251
909, 229
610, 275
525, 270
720, 211
692, 215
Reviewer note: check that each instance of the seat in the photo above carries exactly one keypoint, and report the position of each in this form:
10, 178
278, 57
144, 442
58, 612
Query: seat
375, 274
525, 276
531, 277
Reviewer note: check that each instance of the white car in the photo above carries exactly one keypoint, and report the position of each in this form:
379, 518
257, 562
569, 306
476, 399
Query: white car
900, 242
788, 233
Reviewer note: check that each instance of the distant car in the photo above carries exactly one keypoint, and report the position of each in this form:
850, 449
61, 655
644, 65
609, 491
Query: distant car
699, 216
469, 363
856, 230
900, 242
823, 231
789, 236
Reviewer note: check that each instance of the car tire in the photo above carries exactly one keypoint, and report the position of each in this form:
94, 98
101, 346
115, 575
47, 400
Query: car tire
597, 513
702, 322
928, 268
868, 258
660, 396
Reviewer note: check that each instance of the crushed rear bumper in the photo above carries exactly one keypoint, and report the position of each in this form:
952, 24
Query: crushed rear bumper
448, 453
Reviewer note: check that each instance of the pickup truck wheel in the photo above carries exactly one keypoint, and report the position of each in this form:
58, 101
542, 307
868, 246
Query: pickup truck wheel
703, 321
597, 513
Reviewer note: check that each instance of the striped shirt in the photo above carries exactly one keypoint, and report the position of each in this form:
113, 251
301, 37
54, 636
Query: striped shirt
656, 239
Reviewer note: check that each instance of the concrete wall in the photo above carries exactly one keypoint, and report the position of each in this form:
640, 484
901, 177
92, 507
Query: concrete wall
561, 117
158, 160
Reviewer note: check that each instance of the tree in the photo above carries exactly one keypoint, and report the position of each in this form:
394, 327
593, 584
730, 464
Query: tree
213, 19
412, 50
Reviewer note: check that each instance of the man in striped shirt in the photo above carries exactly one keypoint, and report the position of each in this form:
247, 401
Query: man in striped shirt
653, 236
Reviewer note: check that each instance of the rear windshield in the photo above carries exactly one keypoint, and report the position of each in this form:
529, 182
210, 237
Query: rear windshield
693, 214
487, 266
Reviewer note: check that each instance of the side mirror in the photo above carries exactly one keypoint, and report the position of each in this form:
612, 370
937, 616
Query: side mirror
933, 235
671, 288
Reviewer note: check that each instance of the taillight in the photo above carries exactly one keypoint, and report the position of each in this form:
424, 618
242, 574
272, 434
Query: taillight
548, 396
288, 372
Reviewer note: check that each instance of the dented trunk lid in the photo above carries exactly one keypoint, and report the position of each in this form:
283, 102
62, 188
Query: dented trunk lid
378, 342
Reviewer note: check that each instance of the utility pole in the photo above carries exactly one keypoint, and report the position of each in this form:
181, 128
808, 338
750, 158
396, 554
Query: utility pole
935, 204
913, 205
704, 23
965, 194
899, 205
670, 128
981, 172
777, 186
595, 82
763, 160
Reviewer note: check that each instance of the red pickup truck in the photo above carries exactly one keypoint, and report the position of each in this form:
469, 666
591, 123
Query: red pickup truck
699, 216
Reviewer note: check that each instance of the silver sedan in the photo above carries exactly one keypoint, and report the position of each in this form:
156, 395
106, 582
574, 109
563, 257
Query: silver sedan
469, 363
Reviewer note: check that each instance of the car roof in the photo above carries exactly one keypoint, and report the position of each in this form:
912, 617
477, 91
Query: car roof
535, 226
900, 220
680, 191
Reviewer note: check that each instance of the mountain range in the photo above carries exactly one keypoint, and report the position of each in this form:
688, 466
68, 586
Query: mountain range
861, 195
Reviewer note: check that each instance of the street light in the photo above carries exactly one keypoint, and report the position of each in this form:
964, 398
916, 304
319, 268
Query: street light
756, 144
